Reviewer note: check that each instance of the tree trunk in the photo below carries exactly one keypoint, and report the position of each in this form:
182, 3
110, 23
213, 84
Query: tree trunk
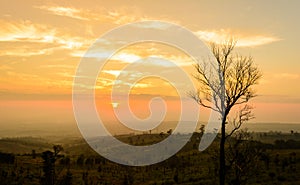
222, 153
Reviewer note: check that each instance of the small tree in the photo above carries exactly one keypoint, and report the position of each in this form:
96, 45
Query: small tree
202, 128
49, 164
48, 168
33, 154
169, 131
233, 86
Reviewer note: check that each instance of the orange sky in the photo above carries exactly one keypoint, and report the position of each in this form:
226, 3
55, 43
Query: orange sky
42, 43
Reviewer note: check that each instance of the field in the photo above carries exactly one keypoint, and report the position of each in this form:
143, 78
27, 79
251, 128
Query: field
265, 158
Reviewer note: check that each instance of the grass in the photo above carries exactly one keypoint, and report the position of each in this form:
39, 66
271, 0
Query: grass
189, 166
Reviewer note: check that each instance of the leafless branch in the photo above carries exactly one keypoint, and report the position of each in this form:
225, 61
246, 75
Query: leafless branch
242, 116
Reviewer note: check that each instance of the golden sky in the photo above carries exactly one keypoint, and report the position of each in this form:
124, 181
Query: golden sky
42, 43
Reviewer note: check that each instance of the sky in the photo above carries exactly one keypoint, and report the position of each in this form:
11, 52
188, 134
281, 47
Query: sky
43, 42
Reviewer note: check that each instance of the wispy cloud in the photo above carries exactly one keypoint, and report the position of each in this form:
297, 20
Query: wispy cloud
112, 72
124, 16
120, 83
25, 52
68, 12
104, 54
152, 24
116, 16
242, 40
126, 57
179, 60
26, 32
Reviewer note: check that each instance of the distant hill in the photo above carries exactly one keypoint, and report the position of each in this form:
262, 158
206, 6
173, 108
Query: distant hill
23, 145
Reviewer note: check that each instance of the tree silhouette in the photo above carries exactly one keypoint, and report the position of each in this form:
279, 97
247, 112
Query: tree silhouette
233, 86
169, 131
33, 154
80, 160
48, 168
202, 128
49, 164
7, 158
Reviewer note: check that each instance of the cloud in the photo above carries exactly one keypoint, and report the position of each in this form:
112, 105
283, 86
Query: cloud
117, 16
130, 56
176, 59
242, 40
127, 15
67, 12
126, 57
24, 52
28, 52
119, 83
148, 67
151, 24
26, 33
106, 54
120, 17
112, 72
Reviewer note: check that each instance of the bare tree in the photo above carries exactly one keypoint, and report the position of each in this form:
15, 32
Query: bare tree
233, 86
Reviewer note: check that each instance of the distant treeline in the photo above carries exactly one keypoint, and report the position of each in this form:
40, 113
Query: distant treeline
280, 144
7, 158
288, 144
249, 160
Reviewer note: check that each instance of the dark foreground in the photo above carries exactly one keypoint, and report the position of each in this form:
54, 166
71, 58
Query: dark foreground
257, 158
